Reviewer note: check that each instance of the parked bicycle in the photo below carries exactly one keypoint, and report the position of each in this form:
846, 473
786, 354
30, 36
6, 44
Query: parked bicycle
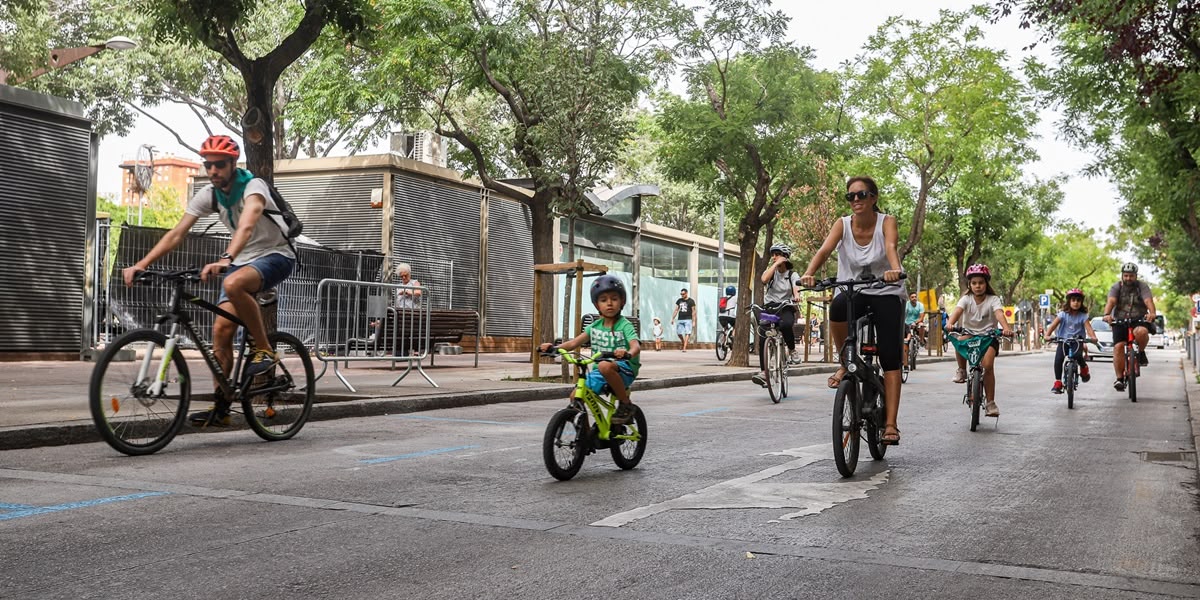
774, 350
972, 347
139, 406
570, 436
858, 404
1133, 354
1072, 352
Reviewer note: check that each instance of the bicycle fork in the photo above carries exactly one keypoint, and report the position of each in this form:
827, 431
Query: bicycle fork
160, 379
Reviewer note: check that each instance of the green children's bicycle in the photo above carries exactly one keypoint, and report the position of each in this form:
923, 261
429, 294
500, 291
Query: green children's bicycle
571, 435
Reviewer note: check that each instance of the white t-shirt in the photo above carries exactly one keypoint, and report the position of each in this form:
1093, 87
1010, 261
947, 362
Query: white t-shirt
267, 237
979, 318
730, 307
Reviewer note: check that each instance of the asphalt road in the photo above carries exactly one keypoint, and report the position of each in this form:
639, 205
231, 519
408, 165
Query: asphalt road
736, 498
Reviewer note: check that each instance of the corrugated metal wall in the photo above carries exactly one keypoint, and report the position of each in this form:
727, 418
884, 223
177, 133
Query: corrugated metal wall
44, 174
436, 221
509, 282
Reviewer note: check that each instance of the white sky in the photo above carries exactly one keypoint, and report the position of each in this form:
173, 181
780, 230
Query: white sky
835, 30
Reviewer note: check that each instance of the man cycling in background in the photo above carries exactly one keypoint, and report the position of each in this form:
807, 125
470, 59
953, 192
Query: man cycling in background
1129, 298
914, 322
240, 201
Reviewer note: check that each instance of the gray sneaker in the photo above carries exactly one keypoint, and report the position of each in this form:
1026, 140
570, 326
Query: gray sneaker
624, 414
796, 358
760, 378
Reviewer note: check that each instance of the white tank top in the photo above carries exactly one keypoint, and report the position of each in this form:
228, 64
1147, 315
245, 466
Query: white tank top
855, 260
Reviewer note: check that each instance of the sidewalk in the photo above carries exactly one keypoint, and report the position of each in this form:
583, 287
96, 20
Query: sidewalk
45, 403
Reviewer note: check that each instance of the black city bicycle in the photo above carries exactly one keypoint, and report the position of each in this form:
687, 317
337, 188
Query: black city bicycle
1133, 365
138, 406
858, 405
774, 350
1072, 350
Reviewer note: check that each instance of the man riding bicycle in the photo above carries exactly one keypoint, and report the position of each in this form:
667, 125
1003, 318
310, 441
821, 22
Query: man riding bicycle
240, 200
914, 320
1129, 298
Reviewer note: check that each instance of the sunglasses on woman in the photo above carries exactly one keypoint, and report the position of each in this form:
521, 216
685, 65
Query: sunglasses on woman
859, 195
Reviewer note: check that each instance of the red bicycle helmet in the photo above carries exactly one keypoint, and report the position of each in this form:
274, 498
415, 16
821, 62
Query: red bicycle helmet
220, 145
979, 269
1074, 292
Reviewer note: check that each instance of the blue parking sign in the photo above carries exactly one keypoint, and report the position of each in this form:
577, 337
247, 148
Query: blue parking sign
1044, 300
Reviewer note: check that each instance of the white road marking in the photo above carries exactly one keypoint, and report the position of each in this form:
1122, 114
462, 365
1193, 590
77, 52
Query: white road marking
752, 492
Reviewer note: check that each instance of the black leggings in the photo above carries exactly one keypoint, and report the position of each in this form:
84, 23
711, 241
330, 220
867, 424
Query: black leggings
787, 320
889, 323
1060, 355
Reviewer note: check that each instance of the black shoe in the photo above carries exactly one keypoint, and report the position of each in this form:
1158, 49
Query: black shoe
1119, 385
760, 379
624, 414
260, 362
217, 416
1142, 359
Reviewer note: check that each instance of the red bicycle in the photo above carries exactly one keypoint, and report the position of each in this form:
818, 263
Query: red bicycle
1133, 366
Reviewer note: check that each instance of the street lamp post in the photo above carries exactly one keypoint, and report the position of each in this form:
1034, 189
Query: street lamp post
61, 57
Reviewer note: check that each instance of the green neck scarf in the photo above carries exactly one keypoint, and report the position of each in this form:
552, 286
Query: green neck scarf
227, 201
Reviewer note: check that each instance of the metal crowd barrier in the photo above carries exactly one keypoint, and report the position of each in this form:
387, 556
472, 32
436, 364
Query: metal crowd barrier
358, 321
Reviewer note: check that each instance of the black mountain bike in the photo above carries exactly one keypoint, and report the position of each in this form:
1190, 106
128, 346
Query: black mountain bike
858, 405
139, 406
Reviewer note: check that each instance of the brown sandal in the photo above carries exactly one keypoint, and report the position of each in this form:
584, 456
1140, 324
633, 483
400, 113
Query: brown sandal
891, 436
836, 379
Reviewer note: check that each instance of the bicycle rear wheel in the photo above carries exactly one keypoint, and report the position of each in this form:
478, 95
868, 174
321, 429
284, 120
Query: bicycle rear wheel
628, 453
1069, 381
846, 427
130, 417
277, 404
975, 394
771, 349
722, 345
562, 445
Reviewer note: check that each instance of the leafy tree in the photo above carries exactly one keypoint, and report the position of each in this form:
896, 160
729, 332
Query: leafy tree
936, 101
681, 204
752, 126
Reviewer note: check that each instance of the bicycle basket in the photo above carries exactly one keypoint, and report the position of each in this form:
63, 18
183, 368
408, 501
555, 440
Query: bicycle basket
767, 319
974, 342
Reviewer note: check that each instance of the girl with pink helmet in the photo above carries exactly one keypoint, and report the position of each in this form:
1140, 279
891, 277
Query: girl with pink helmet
978, 312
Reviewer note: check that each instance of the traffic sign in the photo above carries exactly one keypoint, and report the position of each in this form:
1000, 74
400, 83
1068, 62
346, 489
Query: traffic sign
1009, 313
1044, 300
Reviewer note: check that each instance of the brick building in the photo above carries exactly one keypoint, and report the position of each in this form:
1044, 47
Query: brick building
169, 172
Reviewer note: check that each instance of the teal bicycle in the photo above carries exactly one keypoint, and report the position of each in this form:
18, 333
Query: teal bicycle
586, 426
972, 348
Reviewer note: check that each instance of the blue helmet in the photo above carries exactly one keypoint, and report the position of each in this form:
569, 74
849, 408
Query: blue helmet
608, 283
730, 291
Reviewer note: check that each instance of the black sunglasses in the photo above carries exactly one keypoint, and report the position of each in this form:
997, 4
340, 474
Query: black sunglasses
220, 164
859, 195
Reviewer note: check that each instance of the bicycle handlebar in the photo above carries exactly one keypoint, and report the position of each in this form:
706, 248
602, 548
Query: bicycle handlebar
870, 280
995, 333
183, 275
579, 360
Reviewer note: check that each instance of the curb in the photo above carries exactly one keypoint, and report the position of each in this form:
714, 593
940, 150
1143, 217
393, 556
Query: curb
1191, 389
62, 434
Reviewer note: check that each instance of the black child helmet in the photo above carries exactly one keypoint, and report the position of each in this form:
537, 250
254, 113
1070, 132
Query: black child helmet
608, 283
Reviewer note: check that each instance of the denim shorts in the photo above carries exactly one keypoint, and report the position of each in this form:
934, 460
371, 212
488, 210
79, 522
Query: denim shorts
272, 269
683, 327
596, 381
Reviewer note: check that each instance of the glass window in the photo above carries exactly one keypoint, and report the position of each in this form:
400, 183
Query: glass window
664, 260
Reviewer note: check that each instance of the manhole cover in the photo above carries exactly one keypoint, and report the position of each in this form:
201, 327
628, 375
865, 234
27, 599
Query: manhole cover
1149, 456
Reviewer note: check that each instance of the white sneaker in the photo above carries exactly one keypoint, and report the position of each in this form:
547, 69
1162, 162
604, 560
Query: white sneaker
796, 358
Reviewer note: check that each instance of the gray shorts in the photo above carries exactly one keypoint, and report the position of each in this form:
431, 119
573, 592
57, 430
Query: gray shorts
272, 268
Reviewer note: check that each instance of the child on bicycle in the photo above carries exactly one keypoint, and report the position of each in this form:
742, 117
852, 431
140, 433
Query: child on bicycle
981, 313
612, 332
1075, 323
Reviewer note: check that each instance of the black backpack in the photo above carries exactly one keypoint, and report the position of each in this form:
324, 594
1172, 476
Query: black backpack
291, 228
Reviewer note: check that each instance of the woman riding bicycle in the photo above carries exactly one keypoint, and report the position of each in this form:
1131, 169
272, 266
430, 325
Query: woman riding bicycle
866, 244
979, 312
781, 281
1075, 324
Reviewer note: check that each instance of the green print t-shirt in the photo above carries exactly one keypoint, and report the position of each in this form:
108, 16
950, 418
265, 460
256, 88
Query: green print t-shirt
607, 340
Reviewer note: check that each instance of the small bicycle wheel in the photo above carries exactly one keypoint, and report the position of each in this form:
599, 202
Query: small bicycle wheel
772, 362
722, 345
846, 427
904, 375
562, 446
277, 403
975, 393
130, 416
874, 420
628, 453
1069, 381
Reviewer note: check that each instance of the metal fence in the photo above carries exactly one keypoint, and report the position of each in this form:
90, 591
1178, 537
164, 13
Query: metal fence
358, 321
120, 308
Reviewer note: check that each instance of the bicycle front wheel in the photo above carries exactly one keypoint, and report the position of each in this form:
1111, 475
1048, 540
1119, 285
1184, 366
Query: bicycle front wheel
1133, 368
975, 393
627, 453
1069, 381
132, 413
913, 349
846, 427
784, 365
562, 445
722, 345
771, 349
277, 404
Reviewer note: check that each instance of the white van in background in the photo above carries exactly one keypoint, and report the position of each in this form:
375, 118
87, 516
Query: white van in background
1159, 339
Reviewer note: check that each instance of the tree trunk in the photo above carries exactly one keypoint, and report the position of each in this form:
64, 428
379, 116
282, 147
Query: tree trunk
542, 226
747, 246
258, 123
918, 224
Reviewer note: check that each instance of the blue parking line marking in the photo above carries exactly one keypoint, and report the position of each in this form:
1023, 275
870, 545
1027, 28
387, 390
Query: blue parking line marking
704, 412
5, 506
425, 418
41, 510
383, 459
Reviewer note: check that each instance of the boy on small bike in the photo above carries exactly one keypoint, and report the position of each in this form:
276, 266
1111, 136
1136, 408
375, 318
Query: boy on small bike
613, 333
981, 312
1075, 323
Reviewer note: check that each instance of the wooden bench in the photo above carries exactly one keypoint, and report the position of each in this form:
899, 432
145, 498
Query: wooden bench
445, 326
